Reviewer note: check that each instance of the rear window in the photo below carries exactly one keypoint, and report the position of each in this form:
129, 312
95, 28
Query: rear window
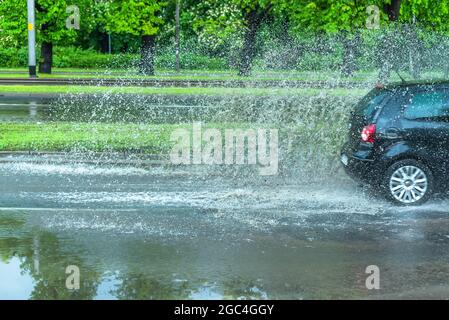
428, 105
368, 106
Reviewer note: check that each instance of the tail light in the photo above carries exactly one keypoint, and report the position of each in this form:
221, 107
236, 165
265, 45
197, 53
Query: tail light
369, 133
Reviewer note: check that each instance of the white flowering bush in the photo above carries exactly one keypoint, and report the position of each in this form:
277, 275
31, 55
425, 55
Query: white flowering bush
215, 22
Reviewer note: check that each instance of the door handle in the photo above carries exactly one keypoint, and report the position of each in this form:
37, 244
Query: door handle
392, 133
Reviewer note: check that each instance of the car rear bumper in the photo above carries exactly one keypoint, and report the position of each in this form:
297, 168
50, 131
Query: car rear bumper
362, 169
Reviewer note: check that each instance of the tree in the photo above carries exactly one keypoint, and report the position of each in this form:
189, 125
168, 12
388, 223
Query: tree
51, 17
392, 8
429, 14
412, 15
220, 19
13, 20
347, 18
343, 19
213, 23
51, 20
140, 18
99, 37
254, 12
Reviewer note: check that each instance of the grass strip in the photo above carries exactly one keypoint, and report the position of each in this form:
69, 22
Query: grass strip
212, 91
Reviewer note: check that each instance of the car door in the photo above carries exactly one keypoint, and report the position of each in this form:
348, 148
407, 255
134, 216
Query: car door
425, 124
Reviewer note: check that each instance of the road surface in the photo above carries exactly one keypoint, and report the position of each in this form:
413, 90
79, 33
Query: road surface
157, 233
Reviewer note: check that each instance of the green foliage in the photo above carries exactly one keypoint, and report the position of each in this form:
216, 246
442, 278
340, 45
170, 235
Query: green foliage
51, 16
428, 13
67, 57
49, 13
212, 32
138, 18
12, 57
248, 5
191, 62
13, 22
72, 57
213, 21
333, 16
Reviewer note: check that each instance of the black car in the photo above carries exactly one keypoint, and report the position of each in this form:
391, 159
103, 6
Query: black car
399, 141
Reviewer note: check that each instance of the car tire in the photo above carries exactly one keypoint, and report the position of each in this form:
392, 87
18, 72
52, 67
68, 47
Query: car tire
408, 183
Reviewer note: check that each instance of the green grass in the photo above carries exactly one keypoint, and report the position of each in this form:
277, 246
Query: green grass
262, 75
258, 74
213, 91
149, 138
184, 76
99, 137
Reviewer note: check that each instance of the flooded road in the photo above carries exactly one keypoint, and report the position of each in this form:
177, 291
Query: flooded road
169, 234
197, 233
22, 109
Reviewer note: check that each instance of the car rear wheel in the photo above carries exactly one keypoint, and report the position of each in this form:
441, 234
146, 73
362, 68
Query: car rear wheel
408, 182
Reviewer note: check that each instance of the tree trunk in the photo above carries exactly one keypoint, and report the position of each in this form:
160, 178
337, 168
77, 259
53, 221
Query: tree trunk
393, 9
177, 27
46, 57
249, 45
285, 35
350, 53
147, 51
104, 42
386, 56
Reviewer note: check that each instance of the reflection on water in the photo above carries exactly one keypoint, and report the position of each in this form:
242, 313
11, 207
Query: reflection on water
18, 111
223, 241
34, 261
90, 108
15, 283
